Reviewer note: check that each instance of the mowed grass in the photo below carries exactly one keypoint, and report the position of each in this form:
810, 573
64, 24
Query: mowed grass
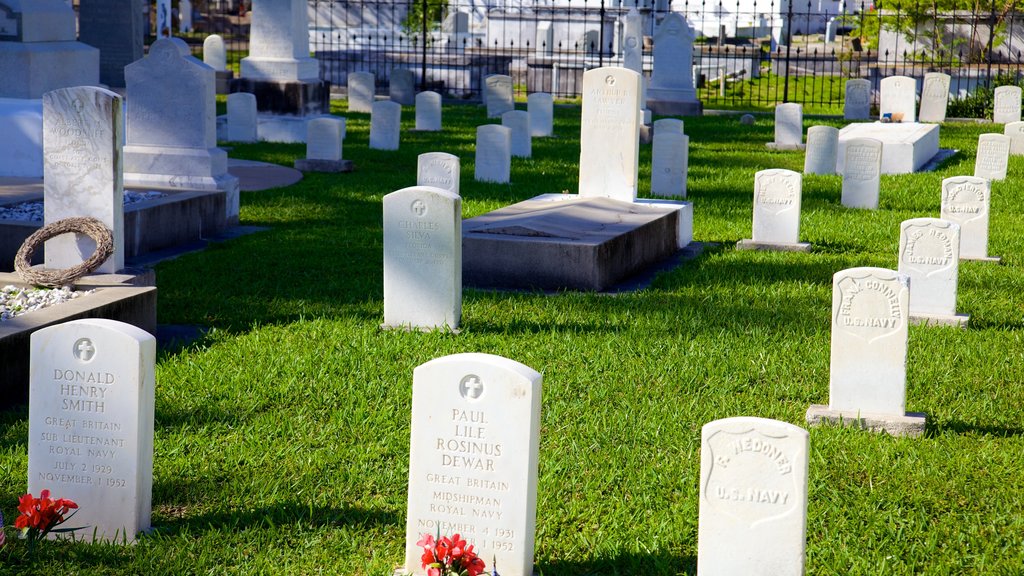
282, 437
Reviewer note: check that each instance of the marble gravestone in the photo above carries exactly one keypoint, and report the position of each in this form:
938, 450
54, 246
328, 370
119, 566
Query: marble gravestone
789, 127
671, 90
498, 95
610, 134
898, 98
868, 369
518, 122
428, 111
439, 170
83, 131
540, 106
862, 173
473, 454
422, 259
214, 54
493, 154
753, 498
965, 200
632, 43
324, 137
116, 28
857, 105
993, 156
385, 124
670, 156
91, 400
402, 86
929, 254
776, 212
822, 150
1006, 104
1015, 132
361, 90
242, 125
934, 97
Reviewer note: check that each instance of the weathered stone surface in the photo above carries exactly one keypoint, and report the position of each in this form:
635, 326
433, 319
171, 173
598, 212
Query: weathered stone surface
610, 134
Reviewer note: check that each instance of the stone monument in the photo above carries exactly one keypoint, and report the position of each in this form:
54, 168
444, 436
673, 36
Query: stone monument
115, 28
777, 195
934, 97
965, 200
929, 254
671, 91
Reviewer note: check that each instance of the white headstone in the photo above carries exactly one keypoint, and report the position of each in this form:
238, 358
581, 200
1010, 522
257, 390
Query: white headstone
822, 147
428, 111
862, 171
361, 90
439, 170
83, 132
90, 419
498, 95
929, 255
385, 125
518, 121
670, 157
633, 41
789, 125
214, 53
898, 98
422, 258
672, 74
402, 86
473, 458
493, 154
544, 39
965, 200
279, 43
541, 106
610, 134
324, 138
753, 498
868, 367
1006, 104
934, 97
1015, 131
993, 156
857, 105
777, 206
242, 117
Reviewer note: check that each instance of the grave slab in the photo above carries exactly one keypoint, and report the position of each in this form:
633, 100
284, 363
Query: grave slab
911, 424
906, 147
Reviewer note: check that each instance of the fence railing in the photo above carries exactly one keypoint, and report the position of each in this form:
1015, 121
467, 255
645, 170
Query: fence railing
747, 54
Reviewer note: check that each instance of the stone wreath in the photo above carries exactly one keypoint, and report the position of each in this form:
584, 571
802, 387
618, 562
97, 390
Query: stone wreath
91, 227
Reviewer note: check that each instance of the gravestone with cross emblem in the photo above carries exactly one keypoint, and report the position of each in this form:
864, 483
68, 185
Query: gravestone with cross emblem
422, 258
91, 424
610, 134
473, 458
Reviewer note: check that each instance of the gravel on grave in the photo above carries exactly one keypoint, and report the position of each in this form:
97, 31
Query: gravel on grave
15, 301
33, 211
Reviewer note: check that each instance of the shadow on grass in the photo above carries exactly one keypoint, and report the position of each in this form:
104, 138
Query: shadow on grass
656, 563
964, 428
270, 516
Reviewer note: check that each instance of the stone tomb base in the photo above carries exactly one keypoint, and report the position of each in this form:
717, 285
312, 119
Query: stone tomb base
785, 147
906, 148
298, 98
563, 241
955, 320
748, 244
911, 424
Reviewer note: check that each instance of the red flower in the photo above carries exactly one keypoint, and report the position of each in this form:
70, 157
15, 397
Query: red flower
42, 514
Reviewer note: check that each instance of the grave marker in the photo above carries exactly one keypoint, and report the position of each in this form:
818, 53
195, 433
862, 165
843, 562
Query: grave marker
862, 171
899, 98
428, 111
929, 254
670, 157
439, 170
822, 148
214, 53
324, 137
671, 91
965, 200
498, 95
361, 90
540, 105
518, 121
789, 127
1015, 131
776, 212
934, 97
1006, 104
993, 156
242, 117
493, 154
610, 134
857, 105
402, 86
385, 124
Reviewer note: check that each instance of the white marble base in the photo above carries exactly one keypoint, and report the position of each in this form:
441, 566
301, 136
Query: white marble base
748, 244
280, 69
785, 147
142, 161
685, 231
995, 259
906, 147
954, 320
911, 424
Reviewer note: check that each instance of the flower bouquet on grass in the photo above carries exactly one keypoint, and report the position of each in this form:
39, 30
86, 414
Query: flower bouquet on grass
446, 556
40, 516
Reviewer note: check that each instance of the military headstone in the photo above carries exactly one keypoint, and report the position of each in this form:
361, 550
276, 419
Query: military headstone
242, 125
498, 95
898, 98
610, 134
862, 172
822, 147
934, 97
965, 200
428, 111
439, 170
776, 212
493, 154
1015, 131
214, 53
402, 86
541, 106
789, 127
1006, 104
993, 156
857, 105
518, 121
361, 90
385, 125
929, 254
670, 156
324, 137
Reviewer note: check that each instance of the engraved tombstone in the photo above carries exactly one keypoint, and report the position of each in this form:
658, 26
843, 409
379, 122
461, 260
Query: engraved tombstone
324, 137
993, 156
518, 121
671, 90
789, 127
439, 170
428, 111
753, 498
242, 117
422, 258
776, 212
473, 458
498, 95
1015, 132
402, 86
83, 131
822, 147
929, 254
934, 97
385, 123
1006, 104
965, 200
898, 98
91, 396
633, 41
862, 171
541, 106
610, 134
361, 90
857, 105
670, 156
868, 368
493, 154
279, 43
214, 54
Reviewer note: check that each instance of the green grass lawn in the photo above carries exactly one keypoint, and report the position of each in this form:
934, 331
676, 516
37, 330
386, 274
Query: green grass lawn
282, 437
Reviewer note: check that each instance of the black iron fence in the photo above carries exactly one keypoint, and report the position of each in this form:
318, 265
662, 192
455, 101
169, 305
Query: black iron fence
747, 53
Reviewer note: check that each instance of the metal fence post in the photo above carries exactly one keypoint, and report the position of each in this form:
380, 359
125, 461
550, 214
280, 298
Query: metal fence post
600, 38
423, 48
789, 42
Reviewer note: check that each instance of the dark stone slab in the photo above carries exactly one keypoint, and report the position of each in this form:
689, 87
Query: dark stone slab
116, 28
312, 165
578, 243
295, 98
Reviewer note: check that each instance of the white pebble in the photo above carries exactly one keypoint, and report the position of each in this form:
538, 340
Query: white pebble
33, 211
15, 301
